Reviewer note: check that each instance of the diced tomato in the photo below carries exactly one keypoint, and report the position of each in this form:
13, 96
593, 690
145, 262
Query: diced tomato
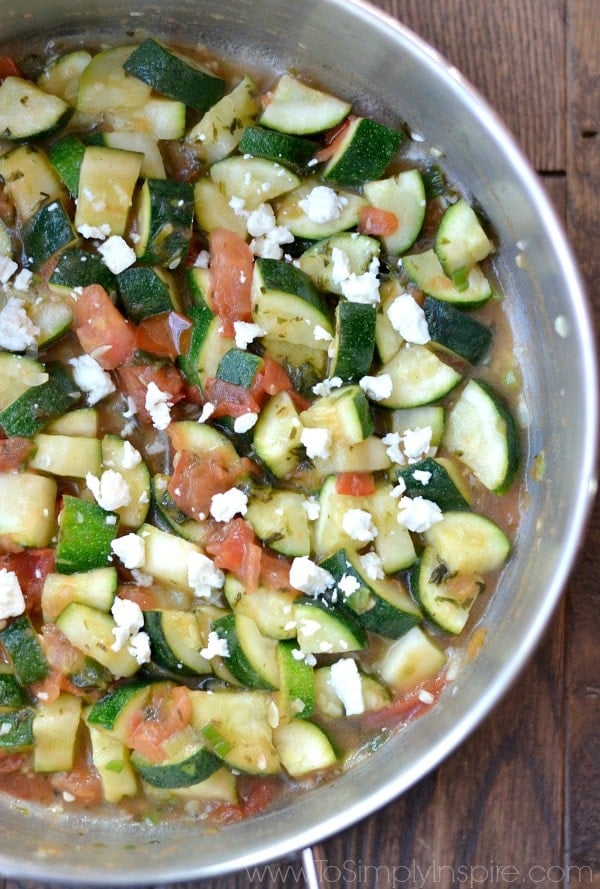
275, 570
135, 378
13, 453
377, 222
256, 794
197, 478
167, 335
11, 762
406, 706
31, 567
46, 270
82, 782
102, 330
142, 596
333, 139
9, 68
167, 714
356, 484
229, 399
26, 784
271, 378
231, 265
64, 660
234, 548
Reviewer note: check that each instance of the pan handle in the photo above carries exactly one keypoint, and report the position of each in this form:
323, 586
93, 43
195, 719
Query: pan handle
309, 870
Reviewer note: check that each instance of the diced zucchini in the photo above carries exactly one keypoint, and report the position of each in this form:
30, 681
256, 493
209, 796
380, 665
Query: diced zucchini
327, 702
404, 196
27, 508
146, 291
47, 232
111, 760
66, 155
17, 731
167, 558
12, 694
427, 272
96, 588
55, 728
326, 629
410, 661
79, 268
292, 151
104, 84
281, 522
456, 331
271, 610
290, 212
113, 712
107, 179
45, 112
170, 517
153, 166
22, 645
44, 400
91, 631
30, 179
345, 412
354, 340
213, 211
119, 456
176, 642
253, 179
438, 479
188, 761
303, 747
252, 657
294, 107
297, 683
220, 130
461, 240
393, 544
445, 597
159, 118
85, 535
164, 212
418, 377
425, 416
239, 367
363, 154
206, 347
358, 253
61, 76
69, 456
468, 542
82, 422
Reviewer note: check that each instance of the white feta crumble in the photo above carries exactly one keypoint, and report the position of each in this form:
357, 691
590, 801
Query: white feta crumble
322, 204
7, 269
310, 578
417, 443
317, 442
261, 221
129, 619
346, 683
17, 330
215, 647
418, 514
399, 490
238, 205
393, 449
223, 507
116, 254
312, 508
203, 576
158, 405
358, 288
246, 333
130, 549
23, 280
322, 334
131, 456
207, 411
139, 648
425, 696
326, 386
377, 388
358, 524
408, 319
12, 603
202, 261
110, 491
348, 584
422, 475
98, 232
372, 564
141, 578
91, 378
245, 422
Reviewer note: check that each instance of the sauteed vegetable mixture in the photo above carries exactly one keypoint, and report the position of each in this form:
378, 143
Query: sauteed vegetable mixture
257, 463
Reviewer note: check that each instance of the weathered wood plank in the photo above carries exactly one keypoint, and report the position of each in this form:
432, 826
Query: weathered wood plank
583, 673
513, 51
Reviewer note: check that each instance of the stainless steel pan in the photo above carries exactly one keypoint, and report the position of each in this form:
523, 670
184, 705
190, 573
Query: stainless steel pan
352, 49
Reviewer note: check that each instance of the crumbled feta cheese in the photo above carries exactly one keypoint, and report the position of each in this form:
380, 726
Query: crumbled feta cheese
129, 618
238, 205
158, 406
203, 576
358, 524
131, 410
17, 330
111, 491
245, 422
340, 265
207, 411
417, 443
357, 288
7, 269
139, 648
309, 627
348, 584
326, 386
91, 378
215, 647
309, 578
425, 696
418, 514
202, 261
223, 507
116, 254
322, 204
12, 603
130, 549
261, 221
141, 578
245, 333
422, 475
23, 280
372, 564
399, 490
346, 683
131, 456
322, 334
317, 442
377, 388
408, 319
312, 508
99, 232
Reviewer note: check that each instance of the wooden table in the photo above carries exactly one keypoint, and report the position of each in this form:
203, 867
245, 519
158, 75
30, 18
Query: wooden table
519, 802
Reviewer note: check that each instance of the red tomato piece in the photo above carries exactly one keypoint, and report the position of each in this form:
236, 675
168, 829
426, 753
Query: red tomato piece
102, 330
9, 68
82, 782
197, 478
231, 265
31, 567
234, 548
13, 453
356, 484
135, 378
230, 400
376, 221
275, 570
142, 596
271, 379
167, 714
256, 794
167, 335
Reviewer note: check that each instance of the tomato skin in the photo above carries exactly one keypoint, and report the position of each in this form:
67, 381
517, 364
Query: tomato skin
14, 452
229, 399
234, 548
166, 335
135, 378
167, 714
376, 221
231, 266
356, 484
98, 324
